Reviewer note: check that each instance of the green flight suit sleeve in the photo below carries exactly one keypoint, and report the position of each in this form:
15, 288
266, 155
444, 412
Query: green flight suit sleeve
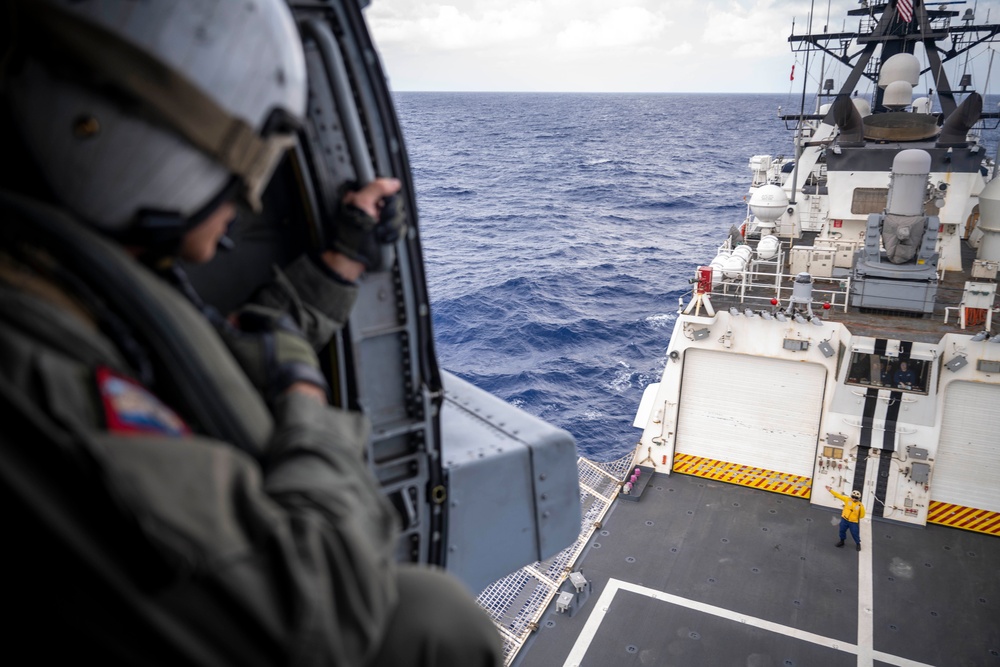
288, 562
318, 302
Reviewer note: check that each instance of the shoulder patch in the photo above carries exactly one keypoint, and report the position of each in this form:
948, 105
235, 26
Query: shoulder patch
131, 408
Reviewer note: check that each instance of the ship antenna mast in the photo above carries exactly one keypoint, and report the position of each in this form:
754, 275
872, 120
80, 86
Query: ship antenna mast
822, 64
802, 109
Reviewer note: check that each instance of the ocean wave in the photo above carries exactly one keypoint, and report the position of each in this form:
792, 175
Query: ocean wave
559, 232
662, 321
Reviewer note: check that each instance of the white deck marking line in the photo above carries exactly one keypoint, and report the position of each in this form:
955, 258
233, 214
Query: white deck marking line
603, 606
866, 598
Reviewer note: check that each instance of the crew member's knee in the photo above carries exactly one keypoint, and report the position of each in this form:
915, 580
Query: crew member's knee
437, 622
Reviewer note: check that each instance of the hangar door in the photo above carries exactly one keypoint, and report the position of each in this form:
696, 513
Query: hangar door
967, 465
750, 410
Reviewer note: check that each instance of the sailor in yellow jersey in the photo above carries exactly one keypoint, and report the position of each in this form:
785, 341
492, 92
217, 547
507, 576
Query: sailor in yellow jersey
853, 512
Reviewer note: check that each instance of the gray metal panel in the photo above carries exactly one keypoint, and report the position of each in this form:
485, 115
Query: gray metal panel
384, 361
879, 158
988, 366
700, 334
957, 363
880, 284
513, 489
893, 294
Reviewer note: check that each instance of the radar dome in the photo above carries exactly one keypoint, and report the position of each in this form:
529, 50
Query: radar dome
922, 105
768, 202
824, 109
898, 95
862, 106
900, 67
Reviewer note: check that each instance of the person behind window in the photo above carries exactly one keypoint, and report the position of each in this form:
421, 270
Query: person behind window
903, 378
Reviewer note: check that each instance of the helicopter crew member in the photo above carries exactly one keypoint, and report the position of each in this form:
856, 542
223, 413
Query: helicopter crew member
176, 487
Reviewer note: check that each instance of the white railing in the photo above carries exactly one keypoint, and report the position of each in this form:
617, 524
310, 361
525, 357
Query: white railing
775, 285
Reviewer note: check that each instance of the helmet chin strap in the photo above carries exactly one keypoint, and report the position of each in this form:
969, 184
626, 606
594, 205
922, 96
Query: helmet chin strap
159, 234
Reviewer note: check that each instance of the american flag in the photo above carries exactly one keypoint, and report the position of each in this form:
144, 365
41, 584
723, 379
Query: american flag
905, 9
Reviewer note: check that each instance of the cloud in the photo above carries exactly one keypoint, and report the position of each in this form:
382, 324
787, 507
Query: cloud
435, 27
682, 49
548, 44
618, 27
595, 45
538, 24
746, 32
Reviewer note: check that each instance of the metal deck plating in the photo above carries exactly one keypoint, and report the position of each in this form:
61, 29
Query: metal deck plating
701, 572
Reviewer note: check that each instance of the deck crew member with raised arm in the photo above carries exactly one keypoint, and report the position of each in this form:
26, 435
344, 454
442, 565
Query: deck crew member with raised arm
853, 513
176, 488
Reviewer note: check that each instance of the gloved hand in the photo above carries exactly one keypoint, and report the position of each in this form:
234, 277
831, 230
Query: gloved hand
273, 352
355, 231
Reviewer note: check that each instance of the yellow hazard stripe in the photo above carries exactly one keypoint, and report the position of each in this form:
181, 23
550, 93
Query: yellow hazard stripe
735, 473
966, 518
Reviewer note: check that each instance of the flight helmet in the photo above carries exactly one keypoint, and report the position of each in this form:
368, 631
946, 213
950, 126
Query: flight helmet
142, 116
856, 494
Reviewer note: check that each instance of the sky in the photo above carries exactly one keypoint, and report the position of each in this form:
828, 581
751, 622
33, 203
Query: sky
729, 46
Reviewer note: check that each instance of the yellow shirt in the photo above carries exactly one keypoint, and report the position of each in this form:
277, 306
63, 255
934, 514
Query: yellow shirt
854, 511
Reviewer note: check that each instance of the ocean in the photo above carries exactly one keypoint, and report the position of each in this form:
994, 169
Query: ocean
560, 230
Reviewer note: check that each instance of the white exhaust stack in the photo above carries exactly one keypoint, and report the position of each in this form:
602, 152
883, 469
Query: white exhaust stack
908, 184
989, 222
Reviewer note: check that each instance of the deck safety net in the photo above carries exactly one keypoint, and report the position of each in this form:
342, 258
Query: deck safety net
516, 602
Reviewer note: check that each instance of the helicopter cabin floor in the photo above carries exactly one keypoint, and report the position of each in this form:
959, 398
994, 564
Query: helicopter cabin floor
699, 572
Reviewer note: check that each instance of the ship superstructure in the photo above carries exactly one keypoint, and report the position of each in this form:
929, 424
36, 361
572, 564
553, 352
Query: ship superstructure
851, 314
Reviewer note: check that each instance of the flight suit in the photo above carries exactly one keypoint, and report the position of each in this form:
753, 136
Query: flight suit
853, 512
133, 536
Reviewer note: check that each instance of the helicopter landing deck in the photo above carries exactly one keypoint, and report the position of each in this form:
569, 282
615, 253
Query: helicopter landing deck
700, 572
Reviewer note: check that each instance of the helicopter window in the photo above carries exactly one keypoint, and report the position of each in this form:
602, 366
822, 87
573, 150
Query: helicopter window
869, 200
872, 370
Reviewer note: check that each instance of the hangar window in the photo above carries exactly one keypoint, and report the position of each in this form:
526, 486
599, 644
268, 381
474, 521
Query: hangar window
873, 370
869, 200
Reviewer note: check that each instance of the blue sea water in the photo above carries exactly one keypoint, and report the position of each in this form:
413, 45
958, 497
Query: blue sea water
559, 231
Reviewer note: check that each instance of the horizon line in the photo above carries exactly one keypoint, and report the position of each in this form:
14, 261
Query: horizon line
589, 92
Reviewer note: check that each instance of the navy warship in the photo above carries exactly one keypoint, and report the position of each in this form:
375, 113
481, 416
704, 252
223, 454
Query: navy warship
841, 338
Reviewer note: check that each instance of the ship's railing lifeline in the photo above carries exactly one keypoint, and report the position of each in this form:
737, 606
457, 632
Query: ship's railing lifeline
517, 602
758, 286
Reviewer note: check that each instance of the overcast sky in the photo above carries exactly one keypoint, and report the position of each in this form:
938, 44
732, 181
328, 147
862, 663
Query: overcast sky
605, 45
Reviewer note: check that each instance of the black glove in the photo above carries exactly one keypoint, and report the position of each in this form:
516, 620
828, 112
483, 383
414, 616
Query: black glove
273, 352
358, 235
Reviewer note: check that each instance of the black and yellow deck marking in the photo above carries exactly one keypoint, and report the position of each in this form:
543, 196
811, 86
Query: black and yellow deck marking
744, 475
966, 518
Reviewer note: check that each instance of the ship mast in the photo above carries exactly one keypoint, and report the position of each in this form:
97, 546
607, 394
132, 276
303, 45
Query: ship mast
802, 113
895, 35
